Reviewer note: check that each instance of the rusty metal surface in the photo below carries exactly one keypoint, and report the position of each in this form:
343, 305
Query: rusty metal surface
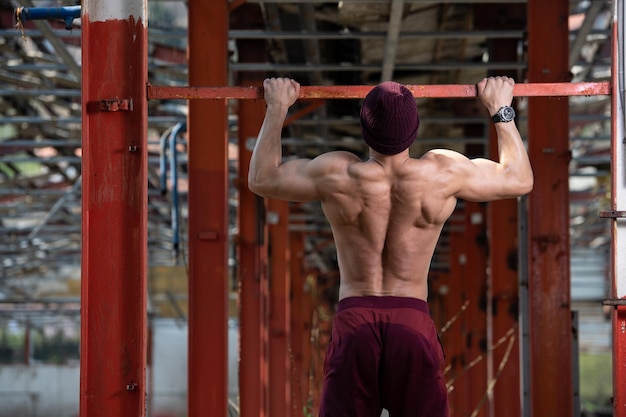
549, 317
618, 201
114, 222
360, 91
279, 309
252, 278
208, 216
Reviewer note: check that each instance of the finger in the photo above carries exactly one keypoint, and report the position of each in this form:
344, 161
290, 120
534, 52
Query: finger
481, 85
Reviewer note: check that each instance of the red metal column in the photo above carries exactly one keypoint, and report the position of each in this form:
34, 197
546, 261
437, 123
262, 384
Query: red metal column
551, 391
252, 271
253, 287
476, 345
299, 319
502, 228
208, 213
618, 231
454, 302
114, 206
280, 306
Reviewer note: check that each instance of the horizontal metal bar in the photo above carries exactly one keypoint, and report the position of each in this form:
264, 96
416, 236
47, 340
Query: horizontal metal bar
69, 159
613, 214
155, 33
383, 1
37, 192
39, 143
360, 91
40, 92
348, 34
349, 66
77, 120
614, 302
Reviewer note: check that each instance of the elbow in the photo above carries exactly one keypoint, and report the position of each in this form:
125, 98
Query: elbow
254, 185
257, 186
525, 185
528, 183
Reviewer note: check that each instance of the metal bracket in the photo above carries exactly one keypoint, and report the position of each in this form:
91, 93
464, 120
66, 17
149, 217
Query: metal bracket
614, 302
116, 104
613, 214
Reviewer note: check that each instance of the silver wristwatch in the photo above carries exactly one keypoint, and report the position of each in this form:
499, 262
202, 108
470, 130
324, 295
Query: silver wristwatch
505, 114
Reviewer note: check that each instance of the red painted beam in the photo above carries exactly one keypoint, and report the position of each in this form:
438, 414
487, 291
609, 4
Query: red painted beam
618, 229
550, 334
475, 283
300, 326
502, 229
208, 213
619, 361
453, 303
253, 283
114, 206
280, 308
360, 91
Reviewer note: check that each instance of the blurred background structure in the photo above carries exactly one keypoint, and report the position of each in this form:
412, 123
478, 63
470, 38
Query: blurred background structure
476, 296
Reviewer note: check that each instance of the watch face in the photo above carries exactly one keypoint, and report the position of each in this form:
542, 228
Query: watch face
507, 113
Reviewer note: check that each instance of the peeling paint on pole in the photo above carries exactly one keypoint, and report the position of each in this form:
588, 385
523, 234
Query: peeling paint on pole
114, 207
102, 11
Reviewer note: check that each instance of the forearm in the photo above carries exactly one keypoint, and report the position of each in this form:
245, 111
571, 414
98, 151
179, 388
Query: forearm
513, 157
267, 154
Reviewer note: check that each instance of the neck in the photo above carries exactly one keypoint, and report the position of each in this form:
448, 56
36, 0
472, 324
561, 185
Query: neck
383, 159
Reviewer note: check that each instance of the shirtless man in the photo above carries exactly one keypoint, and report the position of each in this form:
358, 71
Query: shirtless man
386, 215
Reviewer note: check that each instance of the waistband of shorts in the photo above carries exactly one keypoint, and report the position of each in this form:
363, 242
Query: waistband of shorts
383, 302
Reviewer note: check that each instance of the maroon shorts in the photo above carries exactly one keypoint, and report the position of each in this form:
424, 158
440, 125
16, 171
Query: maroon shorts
384, 353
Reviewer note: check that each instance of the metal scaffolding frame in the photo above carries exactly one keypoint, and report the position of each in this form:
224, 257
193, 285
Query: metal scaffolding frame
210, 233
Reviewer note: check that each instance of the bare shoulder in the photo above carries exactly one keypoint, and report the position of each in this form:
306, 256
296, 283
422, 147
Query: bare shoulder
444, 156
334, 162
337, 157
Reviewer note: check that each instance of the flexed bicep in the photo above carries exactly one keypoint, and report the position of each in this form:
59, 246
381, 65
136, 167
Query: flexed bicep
478, 179
292, 180
303, 179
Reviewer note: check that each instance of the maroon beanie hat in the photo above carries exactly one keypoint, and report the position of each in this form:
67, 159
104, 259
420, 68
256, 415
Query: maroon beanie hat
389, 118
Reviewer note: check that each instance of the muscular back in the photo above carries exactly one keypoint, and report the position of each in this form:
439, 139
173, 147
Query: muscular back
386, 218
387, 213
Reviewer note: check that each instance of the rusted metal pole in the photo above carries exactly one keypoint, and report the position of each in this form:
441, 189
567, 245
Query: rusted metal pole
253, 286
114, 206
360, 91
299, 321
618, 206
453, 303
280, 308
502, 229
551, 375
208, 213
475, 283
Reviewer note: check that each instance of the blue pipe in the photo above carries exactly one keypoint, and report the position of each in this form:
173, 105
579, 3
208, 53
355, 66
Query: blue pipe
67, 14
163, 162
171, 139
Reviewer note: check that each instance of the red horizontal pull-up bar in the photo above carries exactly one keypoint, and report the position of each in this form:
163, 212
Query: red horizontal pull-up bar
360, 91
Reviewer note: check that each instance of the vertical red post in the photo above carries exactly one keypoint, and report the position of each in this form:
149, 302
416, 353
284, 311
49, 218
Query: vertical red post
280, 309
618, 231
114, 206
551, 390
253, 287
208, 212
502, 228
475, 282
454, 307
300, 335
